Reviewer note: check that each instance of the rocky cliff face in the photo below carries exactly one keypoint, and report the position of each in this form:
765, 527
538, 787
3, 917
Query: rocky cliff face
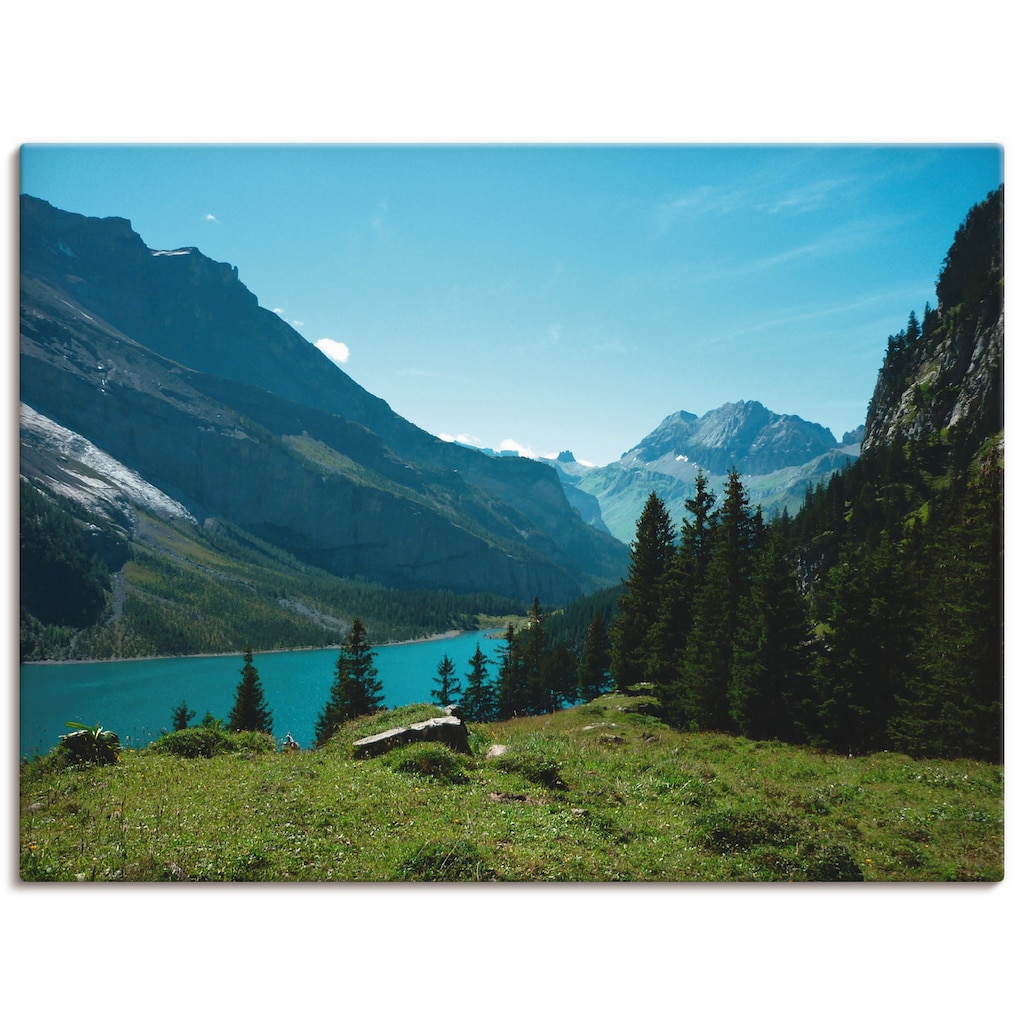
165, 361
946, 373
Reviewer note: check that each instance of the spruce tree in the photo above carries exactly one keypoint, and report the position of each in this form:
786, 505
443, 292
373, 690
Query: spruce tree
356, 690
707, 661
593, 671
512, 695
181, 715
533, 647
448, 686
867, 653
639, 604
770, 687
479, 702
250, 712
682, 580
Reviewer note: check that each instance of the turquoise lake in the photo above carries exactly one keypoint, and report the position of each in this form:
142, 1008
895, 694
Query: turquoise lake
135, 698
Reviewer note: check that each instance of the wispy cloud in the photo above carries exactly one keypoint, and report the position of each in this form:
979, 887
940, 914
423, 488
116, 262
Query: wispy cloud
336, 351
211, 219
759, 195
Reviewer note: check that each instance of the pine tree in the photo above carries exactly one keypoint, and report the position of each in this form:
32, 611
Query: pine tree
682, 580
560, 674
479, 702
707, 661
181, 716
250, 712
953, 704
356, 689
867, 653
448, 687
512, 695
639, 604
533, 650
770, 688
593, 671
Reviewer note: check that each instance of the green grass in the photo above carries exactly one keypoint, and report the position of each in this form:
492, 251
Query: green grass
601, 792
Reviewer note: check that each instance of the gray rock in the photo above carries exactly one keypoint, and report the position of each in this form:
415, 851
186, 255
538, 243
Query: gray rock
449, 730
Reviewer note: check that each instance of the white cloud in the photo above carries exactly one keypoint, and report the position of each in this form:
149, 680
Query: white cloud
210, 217
336, 351
509, 445
469, 439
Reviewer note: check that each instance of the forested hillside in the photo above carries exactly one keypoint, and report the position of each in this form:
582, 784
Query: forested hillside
873, 618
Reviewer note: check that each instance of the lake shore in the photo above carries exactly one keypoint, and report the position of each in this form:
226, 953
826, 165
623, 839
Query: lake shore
450, 634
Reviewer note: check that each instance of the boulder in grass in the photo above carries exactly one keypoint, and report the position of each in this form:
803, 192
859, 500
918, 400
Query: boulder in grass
448, 730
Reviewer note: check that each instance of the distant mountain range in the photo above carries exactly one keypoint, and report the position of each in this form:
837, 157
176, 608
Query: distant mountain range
207, 407
778, 456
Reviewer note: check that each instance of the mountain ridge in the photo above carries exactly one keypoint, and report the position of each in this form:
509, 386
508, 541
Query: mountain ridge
165, 361
777, 455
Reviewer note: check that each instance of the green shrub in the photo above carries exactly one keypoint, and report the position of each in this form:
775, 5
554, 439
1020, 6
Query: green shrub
434, 760
203, 742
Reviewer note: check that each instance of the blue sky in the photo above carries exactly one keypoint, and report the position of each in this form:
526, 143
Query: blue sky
562, 297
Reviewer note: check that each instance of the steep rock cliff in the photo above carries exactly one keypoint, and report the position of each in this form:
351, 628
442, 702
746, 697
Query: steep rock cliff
946, 373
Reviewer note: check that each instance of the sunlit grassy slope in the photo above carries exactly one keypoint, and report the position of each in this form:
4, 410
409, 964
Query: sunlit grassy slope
600, 792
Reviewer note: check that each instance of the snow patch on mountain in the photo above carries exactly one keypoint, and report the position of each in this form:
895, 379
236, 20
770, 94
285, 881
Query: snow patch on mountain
97, 475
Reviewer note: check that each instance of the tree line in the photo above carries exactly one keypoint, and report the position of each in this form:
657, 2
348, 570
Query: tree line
871, 620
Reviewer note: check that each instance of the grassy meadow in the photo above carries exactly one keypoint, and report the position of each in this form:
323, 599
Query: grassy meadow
600, 792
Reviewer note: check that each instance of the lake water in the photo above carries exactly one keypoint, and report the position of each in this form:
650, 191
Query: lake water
135, 698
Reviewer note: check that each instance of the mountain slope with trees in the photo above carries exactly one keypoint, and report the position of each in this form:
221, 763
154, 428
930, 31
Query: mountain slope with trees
873, 618
165, 363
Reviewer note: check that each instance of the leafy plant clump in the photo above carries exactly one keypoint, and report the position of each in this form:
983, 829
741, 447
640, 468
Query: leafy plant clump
89, 746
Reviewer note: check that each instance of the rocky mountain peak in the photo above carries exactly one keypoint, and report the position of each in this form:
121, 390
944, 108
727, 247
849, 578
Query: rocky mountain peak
744, 435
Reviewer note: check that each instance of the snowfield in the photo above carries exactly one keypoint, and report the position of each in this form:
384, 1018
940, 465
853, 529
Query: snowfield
113, 482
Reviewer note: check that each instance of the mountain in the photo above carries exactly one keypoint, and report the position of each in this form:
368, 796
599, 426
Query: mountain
777, 455
165, 363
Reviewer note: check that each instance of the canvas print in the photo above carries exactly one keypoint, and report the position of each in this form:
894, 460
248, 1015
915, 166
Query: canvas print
511, 513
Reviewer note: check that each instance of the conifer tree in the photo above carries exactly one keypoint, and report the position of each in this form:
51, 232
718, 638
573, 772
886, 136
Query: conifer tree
681, 581
448, 686
533, 650
181, 715
867, 653
512, 695
560, 674
356, 690
770, 688
707, 662
639, 604
250, 712
952, 705
593, 671
479, 702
